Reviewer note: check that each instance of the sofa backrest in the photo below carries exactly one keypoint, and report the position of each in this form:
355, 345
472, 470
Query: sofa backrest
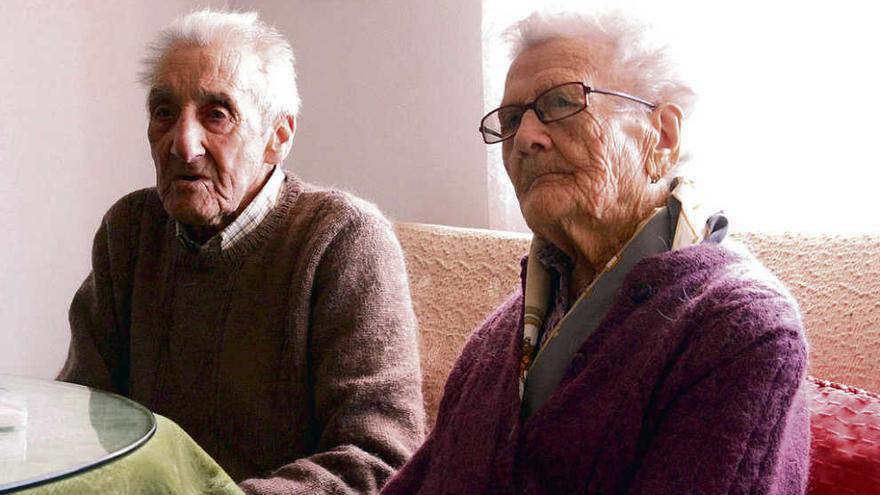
458, 276
836, 281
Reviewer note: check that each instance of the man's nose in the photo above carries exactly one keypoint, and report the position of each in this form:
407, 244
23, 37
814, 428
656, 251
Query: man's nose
188, 136
531, 136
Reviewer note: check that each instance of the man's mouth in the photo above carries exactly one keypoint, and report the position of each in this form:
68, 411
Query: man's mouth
190, 178
190, 182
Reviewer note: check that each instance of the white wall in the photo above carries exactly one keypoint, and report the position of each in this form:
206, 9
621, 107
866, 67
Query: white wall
392, 97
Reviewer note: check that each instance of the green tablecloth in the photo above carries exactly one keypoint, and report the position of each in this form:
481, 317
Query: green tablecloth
169, 463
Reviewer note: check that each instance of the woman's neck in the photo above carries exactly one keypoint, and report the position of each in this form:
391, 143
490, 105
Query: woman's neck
591, 255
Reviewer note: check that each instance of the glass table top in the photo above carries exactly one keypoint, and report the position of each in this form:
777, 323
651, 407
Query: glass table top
69, 428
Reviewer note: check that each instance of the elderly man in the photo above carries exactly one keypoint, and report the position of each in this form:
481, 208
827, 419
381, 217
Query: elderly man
270, 318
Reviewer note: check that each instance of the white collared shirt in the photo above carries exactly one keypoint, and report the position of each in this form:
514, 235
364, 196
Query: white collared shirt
246, 222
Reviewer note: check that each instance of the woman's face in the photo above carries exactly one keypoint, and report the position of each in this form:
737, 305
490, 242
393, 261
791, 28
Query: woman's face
587, 171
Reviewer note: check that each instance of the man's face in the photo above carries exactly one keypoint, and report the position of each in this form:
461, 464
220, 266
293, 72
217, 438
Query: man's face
207, 135
586, 170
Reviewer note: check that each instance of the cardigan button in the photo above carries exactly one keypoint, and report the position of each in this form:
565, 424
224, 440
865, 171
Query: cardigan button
578, 363
642, 292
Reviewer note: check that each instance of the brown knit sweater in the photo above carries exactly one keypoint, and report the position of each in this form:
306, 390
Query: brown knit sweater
291, 356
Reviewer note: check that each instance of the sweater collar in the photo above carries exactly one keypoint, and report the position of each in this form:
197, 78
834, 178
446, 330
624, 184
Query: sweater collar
291, 187
248, 220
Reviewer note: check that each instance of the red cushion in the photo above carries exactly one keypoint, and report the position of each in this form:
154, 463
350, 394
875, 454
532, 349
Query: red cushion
845, 424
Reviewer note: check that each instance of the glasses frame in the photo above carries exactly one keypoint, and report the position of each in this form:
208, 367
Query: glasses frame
484, 131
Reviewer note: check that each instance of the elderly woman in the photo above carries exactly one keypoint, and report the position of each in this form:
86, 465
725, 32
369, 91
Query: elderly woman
643, 354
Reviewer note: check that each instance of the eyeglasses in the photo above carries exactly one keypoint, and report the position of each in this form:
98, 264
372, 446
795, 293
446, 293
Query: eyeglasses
557, 103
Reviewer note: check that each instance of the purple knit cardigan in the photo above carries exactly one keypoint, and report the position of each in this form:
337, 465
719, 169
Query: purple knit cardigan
692, 384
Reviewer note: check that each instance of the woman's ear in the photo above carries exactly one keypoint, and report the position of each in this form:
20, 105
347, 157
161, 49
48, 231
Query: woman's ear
666, 121
281, 140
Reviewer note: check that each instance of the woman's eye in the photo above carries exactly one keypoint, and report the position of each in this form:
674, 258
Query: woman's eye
561, 102
510, 121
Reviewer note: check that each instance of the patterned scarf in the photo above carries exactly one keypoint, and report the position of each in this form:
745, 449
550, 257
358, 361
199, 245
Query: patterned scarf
693, 224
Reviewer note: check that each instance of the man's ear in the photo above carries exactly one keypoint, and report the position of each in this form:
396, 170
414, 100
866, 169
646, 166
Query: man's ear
280, 140
666, 121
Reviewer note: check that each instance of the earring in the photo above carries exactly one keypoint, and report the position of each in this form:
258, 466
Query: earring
657, 175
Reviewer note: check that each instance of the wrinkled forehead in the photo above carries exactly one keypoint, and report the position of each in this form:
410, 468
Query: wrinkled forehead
549, 63
189, 71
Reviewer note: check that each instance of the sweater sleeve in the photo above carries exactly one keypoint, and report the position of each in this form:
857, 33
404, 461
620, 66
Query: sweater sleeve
97, 356
364, 368
741, 424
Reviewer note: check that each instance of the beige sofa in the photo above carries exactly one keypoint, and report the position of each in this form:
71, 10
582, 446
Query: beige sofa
458, 276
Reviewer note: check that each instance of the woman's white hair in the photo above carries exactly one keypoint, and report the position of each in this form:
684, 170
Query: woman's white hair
276, 94
630, 61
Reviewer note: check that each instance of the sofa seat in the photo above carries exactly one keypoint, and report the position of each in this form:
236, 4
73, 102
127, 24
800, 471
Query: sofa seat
845, 424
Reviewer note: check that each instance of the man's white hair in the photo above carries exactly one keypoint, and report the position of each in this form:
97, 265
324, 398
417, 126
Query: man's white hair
627, 58
276, 94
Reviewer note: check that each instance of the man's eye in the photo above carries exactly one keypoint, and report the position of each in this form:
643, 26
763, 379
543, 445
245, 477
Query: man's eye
161, 113
217, 114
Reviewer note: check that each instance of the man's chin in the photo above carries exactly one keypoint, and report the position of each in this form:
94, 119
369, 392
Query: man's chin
192, 216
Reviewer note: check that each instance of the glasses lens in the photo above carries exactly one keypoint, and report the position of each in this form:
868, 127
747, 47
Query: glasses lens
561, 102
501, 124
